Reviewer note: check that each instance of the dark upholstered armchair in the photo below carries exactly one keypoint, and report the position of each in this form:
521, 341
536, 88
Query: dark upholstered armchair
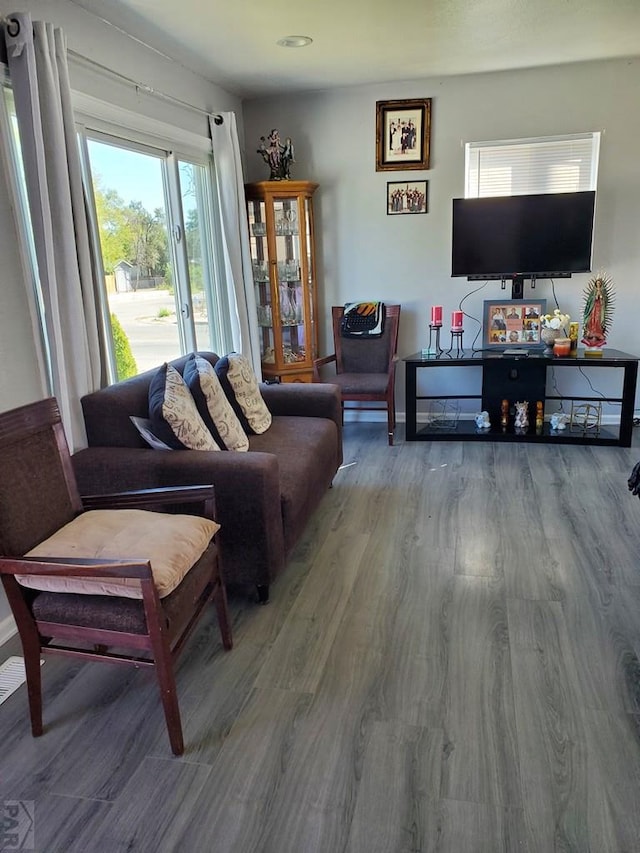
122, 584
365, 367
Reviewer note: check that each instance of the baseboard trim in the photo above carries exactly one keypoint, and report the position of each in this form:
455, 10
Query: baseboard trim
7, 629
354, 416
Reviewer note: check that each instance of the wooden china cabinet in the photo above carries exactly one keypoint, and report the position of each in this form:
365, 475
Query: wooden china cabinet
284, 274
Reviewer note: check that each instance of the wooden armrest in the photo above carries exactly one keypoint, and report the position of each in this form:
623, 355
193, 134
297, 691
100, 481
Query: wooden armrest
74, 567
320, 362
149, 497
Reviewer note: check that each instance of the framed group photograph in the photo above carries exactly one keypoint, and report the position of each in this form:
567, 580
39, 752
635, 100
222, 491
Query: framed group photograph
403, 134
512, 323
406, 197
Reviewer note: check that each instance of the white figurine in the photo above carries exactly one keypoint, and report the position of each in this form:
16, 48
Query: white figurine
482, 420
522, 415
559, 420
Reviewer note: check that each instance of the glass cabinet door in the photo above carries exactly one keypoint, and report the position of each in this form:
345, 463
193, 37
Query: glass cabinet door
291, 302
261, 280
309, 281
282, 256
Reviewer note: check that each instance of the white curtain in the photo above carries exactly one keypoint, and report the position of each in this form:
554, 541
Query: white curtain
37, 62
235, 237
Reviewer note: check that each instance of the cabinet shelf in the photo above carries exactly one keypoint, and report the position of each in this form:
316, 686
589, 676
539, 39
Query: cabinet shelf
466, 430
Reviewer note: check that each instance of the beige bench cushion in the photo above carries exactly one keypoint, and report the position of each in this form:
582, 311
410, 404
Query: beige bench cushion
171, 543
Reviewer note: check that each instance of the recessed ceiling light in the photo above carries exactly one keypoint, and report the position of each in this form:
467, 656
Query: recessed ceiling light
294, 41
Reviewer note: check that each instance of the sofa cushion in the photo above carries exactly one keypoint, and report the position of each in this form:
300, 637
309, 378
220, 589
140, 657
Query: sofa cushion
174, 415
212, 404
307, 453
241, 387
171, 543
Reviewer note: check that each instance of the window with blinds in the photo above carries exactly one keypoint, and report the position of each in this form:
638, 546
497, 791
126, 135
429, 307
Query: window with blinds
549, 164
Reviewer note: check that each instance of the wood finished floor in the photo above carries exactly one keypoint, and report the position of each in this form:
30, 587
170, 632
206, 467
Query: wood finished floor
449, 663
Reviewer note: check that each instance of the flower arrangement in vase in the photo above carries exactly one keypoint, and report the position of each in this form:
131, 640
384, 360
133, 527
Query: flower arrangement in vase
598, 311
552, 327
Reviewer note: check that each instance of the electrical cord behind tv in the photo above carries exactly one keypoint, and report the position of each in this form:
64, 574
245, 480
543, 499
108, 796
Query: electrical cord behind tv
553, 290
471, 317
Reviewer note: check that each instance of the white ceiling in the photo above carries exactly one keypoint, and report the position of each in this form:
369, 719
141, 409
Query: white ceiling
233, 42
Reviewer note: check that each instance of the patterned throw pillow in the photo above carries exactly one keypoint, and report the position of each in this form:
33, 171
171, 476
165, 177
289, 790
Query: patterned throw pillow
173, 413
216, 411
241, 387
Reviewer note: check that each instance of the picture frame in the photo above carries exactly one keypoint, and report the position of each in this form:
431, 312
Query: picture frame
512, 323
403, 134
405, 197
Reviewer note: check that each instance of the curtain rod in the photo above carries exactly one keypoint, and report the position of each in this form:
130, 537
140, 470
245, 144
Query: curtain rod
13, 28
142, 87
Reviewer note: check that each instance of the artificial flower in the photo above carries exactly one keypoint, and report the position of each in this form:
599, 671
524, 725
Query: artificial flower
555, 321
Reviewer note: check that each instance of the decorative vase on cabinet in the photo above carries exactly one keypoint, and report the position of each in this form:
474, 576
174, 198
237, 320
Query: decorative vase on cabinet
548, 337
283, 263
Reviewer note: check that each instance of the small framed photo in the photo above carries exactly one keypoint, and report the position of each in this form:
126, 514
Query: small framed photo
406, 197
403, 134
512, 323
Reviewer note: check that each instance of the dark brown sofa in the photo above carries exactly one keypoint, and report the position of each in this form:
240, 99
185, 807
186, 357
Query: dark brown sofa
264, 497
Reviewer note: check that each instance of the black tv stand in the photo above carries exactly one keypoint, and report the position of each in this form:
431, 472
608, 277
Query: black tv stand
513, 377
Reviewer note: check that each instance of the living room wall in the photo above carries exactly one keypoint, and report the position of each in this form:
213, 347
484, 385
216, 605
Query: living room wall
88, 36
366, 254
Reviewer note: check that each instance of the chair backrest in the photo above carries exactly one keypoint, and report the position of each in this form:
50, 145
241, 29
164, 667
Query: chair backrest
366, 355
38, 491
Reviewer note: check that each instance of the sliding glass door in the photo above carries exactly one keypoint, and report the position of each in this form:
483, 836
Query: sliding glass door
155, 228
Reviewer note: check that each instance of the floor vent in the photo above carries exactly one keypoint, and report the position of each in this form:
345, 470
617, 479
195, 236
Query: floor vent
12, 675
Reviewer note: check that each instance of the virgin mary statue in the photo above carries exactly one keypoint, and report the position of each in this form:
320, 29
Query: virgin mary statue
598, 309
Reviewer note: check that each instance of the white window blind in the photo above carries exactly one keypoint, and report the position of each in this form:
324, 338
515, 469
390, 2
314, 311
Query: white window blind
550, 164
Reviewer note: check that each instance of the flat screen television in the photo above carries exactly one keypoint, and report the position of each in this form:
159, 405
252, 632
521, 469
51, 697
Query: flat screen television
523, 236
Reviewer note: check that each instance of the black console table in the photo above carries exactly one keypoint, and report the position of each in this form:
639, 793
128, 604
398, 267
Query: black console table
514, 377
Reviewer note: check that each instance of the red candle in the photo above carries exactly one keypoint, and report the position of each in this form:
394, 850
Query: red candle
562, 347
456, 319
436, 315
